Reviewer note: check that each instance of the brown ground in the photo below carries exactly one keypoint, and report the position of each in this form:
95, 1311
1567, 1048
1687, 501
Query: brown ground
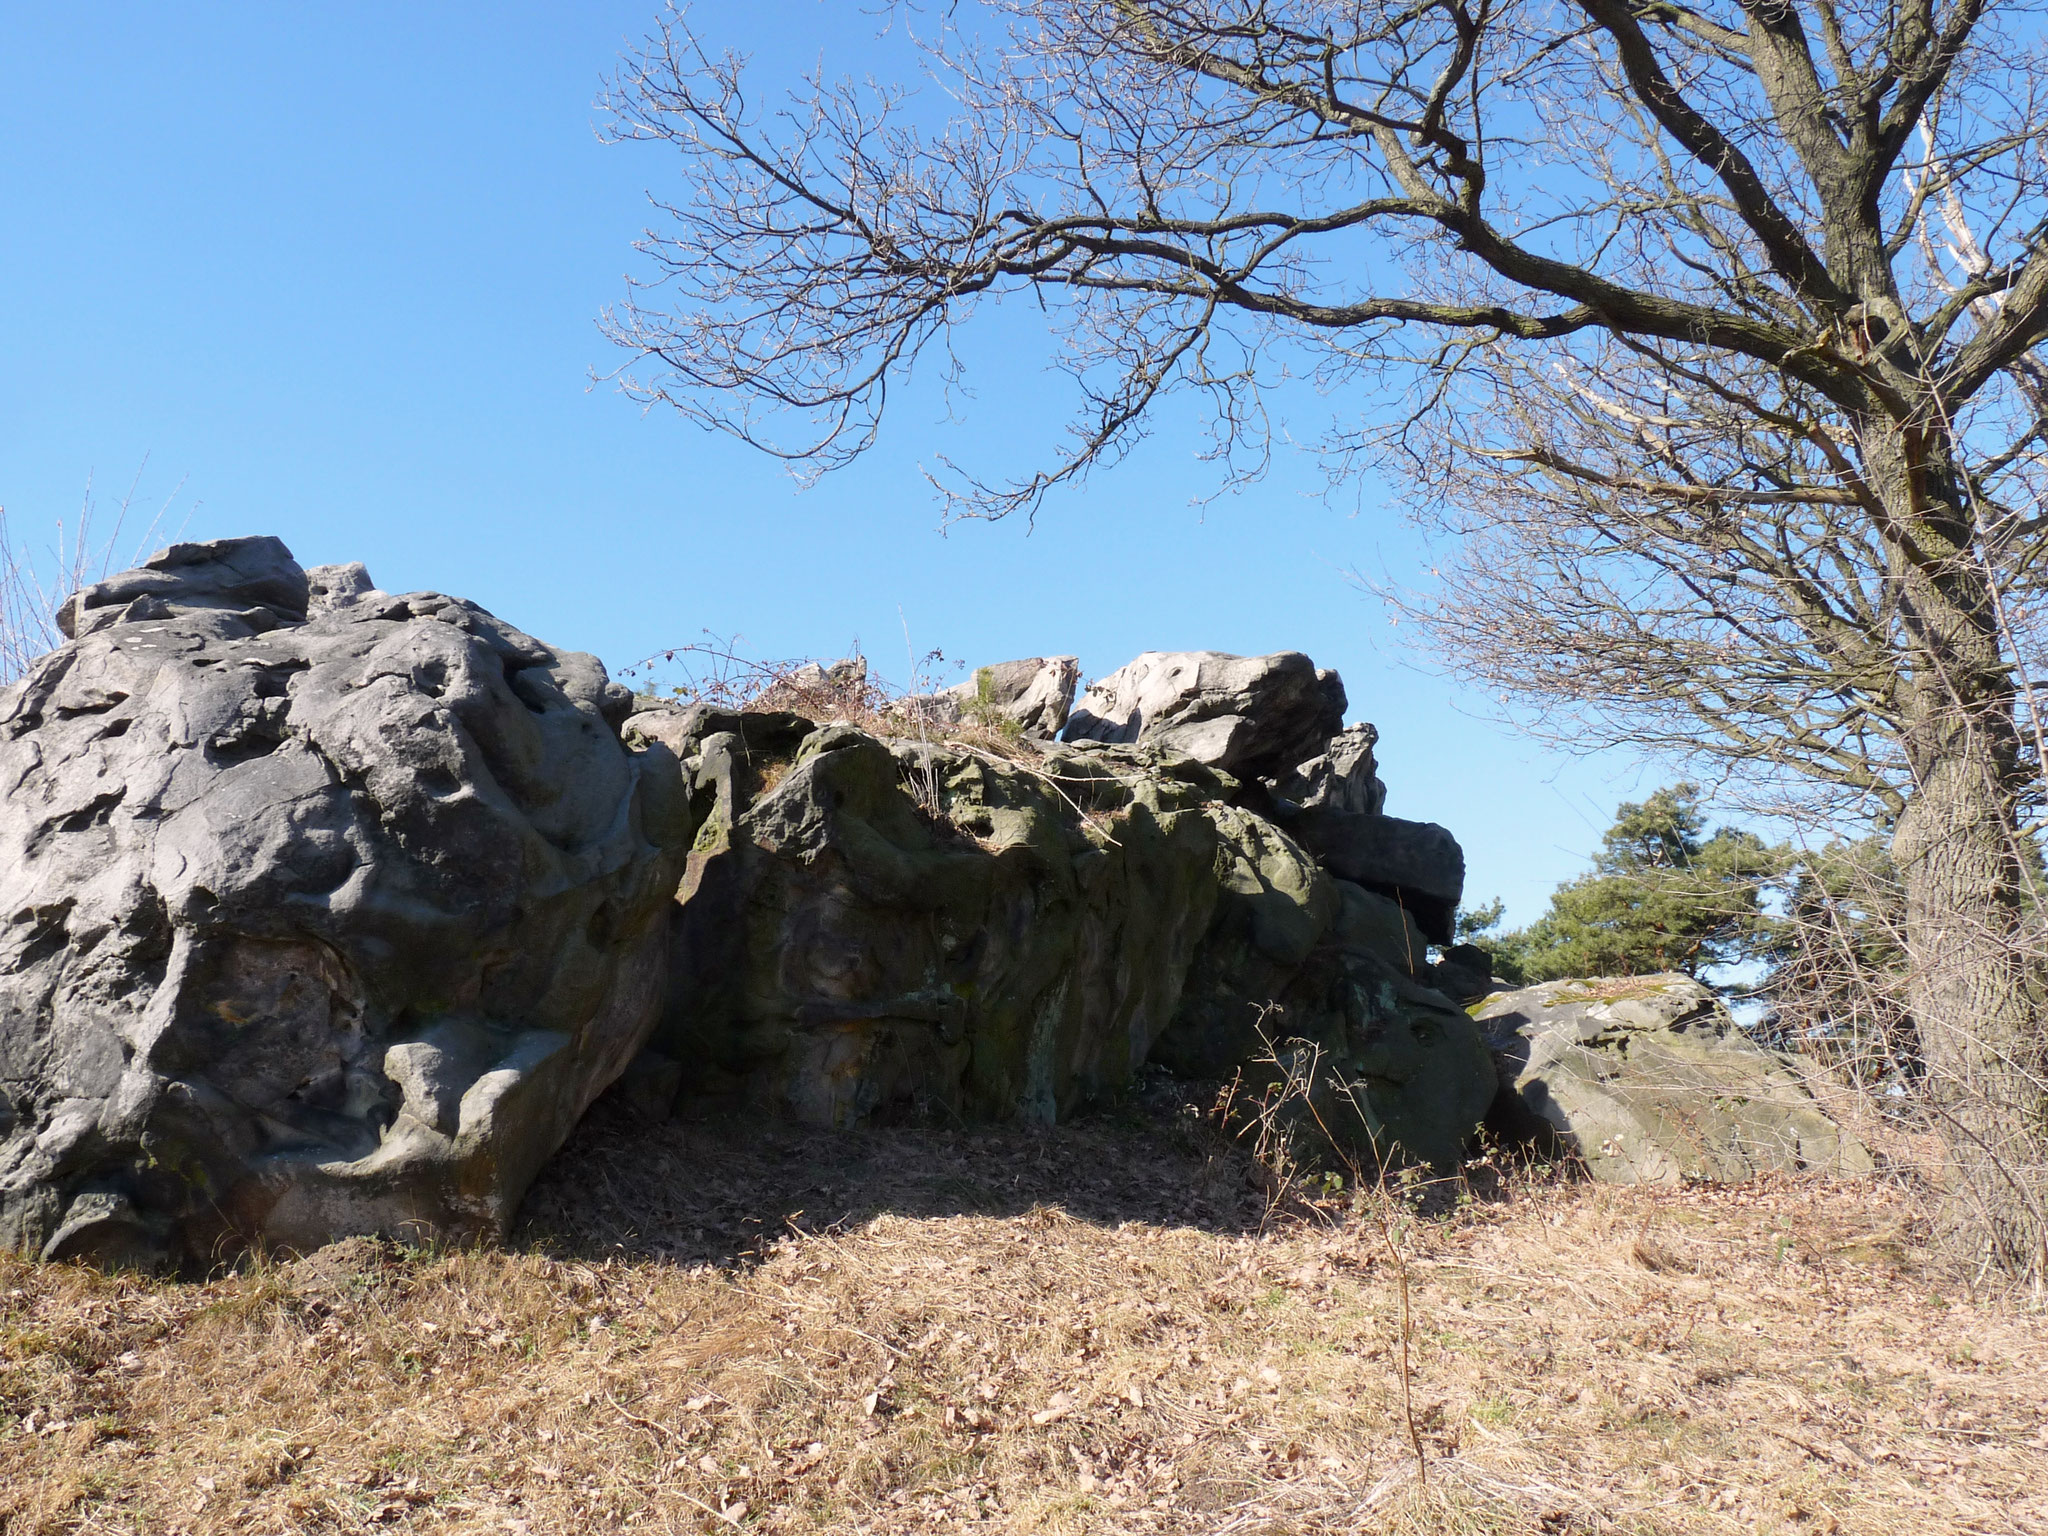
1097, 1329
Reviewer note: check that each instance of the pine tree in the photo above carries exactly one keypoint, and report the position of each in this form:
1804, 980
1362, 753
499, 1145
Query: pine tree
1663, 895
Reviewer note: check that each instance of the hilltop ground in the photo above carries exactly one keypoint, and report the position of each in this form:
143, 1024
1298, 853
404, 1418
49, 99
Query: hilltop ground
1103, 1328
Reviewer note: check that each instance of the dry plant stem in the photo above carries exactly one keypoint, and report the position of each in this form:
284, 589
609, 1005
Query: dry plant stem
929, 786
32, 587
733, 680
1407, 1333
1298, 1083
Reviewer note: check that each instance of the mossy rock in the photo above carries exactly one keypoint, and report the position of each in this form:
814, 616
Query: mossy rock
1649, 1080
888, 929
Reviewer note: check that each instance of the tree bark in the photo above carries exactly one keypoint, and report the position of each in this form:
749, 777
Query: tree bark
1973, 977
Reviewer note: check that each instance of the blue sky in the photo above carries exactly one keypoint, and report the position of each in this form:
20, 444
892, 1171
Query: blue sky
333, 273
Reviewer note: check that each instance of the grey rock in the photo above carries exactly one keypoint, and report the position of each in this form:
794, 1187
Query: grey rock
1650, 1081
1300, 972
336, 586
1252, 716
327, 911
876, 928
1341, 777
765, 736
1382, 926
1464, 973
1418, 862
310, 927
880, 929
251, 584
1035, 693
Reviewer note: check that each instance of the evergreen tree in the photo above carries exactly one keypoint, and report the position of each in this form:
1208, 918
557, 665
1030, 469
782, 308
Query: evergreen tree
1663, 895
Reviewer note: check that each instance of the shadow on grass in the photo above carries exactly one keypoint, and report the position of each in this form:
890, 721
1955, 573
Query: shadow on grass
722, 1191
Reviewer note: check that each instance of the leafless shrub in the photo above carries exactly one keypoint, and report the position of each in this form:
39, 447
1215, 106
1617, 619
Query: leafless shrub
1302, 1090
34, 582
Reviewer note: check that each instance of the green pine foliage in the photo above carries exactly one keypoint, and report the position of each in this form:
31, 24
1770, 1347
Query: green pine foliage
1664, 894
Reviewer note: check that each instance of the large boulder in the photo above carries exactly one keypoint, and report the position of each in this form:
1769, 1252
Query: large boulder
1252, 716
310, 925
875, 928
1418, 863
1648, 1080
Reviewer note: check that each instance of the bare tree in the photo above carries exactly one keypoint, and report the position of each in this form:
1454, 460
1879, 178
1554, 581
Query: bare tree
1717, 319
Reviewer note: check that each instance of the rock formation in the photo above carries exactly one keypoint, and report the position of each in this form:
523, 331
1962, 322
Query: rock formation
1035, 694
325, 911
1028, 697
1277, 724
1649, 1081
1340, 777
1251, 716
877, 927
328, 911
916, 927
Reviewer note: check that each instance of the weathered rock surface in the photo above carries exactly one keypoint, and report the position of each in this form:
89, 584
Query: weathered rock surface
248, 584
1417, 862
1252, 716
874, 928
1298, 961
325, 911
1464, 973
879, 928
1649, 1081
1036, 693
1031, 696
310, 926
1343, 776
336, 586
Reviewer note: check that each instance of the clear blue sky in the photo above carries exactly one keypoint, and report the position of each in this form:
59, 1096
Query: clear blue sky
336, 270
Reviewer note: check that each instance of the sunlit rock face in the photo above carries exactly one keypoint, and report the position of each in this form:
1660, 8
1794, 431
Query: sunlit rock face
1252, 716
1648, 1080
322, 911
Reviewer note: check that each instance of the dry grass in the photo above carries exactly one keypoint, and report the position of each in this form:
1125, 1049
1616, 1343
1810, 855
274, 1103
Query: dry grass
1098, 1329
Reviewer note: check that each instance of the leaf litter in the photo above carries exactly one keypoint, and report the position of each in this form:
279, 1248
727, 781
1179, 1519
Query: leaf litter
1106, 1327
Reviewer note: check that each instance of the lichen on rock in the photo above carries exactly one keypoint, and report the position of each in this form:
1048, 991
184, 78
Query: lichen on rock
1649, 1080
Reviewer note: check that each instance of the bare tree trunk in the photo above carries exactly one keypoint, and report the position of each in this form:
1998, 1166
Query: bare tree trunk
1972, 984
1970, 994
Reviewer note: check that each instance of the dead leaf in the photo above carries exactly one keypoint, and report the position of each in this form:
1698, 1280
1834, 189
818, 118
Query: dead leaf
1057, 1407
